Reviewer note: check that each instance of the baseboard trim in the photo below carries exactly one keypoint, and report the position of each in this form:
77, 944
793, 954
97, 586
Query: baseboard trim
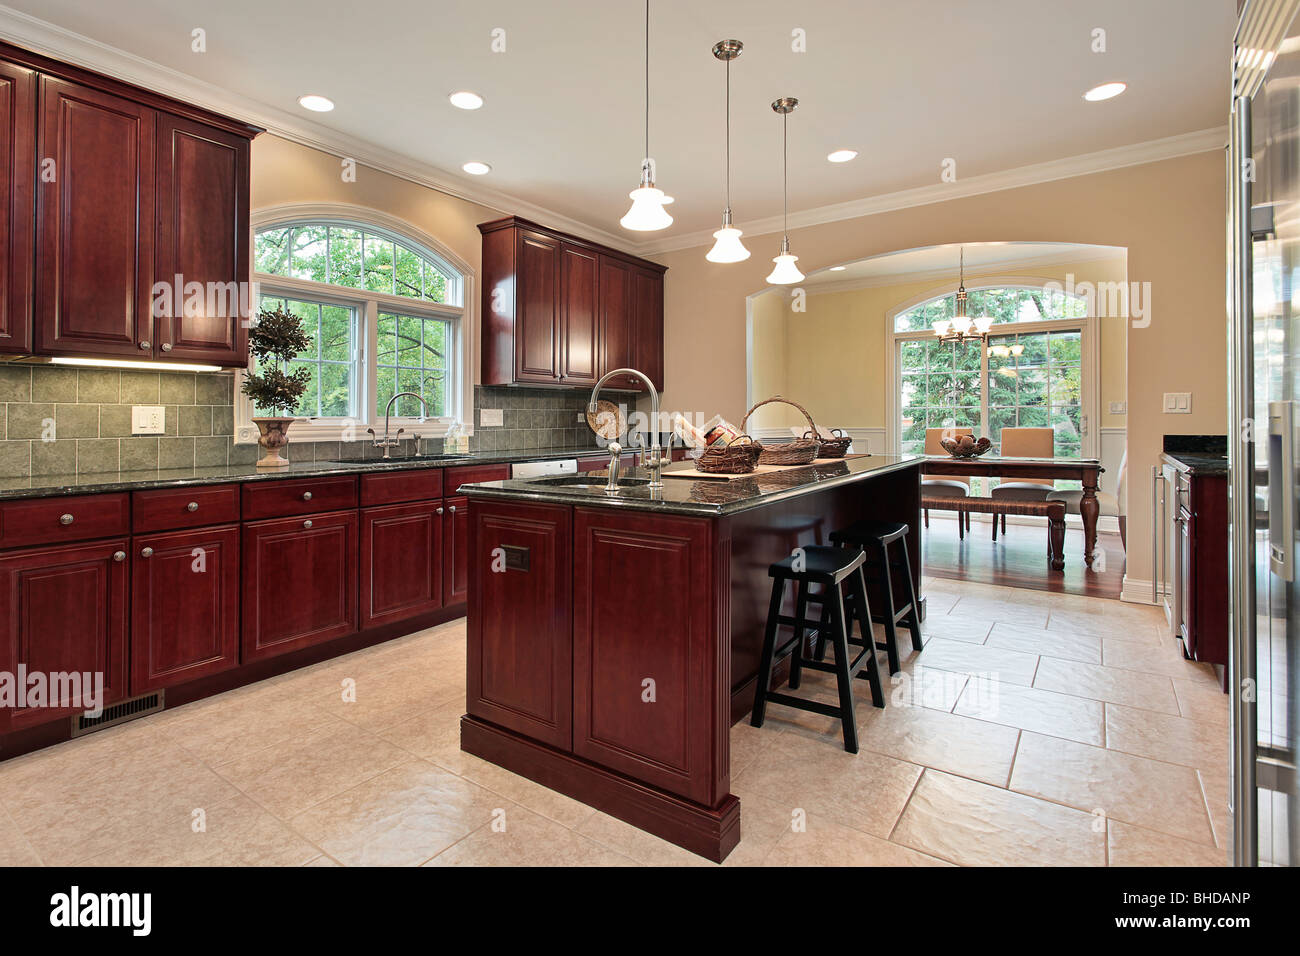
1137, 591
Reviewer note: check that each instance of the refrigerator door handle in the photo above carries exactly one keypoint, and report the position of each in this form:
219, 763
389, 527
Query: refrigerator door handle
1156, 575
1281, 489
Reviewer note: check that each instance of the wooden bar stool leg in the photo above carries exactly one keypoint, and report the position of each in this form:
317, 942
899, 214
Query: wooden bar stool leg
891, 631
848, 719
769, 647
823, 630
995, 527
796, 655
913, 616
859, 585
961, 525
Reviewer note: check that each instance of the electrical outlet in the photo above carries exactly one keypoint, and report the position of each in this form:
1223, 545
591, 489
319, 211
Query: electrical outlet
1178, 403
488, 417
148, 419
1119, 408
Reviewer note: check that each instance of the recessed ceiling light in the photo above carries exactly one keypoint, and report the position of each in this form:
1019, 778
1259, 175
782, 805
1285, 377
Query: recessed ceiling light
466, 100
1105, 92
317, 104
838, 268
477, 168
842, 155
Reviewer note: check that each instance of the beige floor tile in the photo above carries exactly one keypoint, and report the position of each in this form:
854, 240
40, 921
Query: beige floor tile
993, 663
322, 860
823, 843
532, 796
639, 846
930, 738
1162, 796
1214, 788
918, 685
865, 790
245, 725
434, 735
1164, 659
1201, 701
15, 850
746, 743
1042, 711
954, 627
1109, 684
1191, 743
762, 824
1105, 618
388, 698
401, 817
999, 610
526, 839
1137, 846
289, 777
975, 824
1064, 645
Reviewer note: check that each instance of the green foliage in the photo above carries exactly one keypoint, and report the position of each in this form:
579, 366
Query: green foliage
274, 340
349, 257
1003, 305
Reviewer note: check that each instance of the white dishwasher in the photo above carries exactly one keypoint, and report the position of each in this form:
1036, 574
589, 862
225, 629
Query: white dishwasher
542, 469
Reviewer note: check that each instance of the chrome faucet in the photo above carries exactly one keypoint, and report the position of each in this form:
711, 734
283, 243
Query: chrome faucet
615, 455
655, 463
386, 443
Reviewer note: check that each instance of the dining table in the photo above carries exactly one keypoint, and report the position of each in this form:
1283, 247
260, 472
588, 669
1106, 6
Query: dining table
1087, 471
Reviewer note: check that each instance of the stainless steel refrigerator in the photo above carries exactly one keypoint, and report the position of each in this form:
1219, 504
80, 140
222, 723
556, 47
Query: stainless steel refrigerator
1264, 412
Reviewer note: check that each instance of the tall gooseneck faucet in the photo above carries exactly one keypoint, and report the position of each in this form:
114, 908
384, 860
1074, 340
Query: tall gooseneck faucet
657, 460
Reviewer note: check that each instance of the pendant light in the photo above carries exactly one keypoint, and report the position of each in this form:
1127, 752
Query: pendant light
647, 213
958, 328
728, 247
785, 271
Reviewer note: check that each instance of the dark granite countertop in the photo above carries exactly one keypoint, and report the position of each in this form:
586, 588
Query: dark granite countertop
49, 486
1198, 464
702, 496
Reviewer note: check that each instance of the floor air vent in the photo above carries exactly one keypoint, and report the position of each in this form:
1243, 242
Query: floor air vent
118, 713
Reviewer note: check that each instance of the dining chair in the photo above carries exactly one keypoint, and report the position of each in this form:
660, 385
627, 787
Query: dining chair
1023, 443
1110, 505
948, 486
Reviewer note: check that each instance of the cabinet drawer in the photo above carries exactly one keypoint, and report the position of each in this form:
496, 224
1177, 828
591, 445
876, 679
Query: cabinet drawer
76, 518
278, 499
391, 487
184, 507
469, 474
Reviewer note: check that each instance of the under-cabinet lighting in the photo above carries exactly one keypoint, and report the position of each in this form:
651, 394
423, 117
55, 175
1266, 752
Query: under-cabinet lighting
127, 363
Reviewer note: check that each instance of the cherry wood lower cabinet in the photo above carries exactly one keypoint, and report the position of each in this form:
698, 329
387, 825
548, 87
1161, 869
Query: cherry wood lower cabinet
401, 561
63, 611
184, 606
520, 660
455, 551
299, 582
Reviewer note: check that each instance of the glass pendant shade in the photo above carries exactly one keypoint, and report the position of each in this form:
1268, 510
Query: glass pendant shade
941, 327
983, 323
785, 271
728, 247
961, 323
647, 213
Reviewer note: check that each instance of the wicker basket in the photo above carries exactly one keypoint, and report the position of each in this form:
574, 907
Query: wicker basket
800, 451
737, 457
834, 447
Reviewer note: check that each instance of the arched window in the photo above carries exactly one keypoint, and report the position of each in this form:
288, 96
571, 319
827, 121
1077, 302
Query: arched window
1004, 304
383, 312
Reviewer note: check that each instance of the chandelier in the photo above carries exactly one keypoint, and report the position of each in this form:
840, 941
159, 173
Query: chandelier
961, 327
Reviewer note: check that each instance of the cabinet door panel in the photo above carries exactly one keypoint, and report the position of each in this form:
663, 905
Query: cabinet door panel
401, 562
667, 741
648, 325
63, 611
520, 672
616, 279
580, 320
185, 606
202, 201
95, 223
537, 304
455, 550
300, 583
17, 189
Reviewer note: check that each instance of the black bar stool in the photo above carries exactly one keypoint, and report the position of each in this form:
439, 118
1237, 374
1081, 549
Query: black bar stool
830, 568
874, 539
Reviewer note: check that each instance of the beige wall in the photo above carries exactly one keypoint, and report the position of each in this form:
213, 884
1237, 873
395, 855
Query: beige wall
833, 357
1168, 215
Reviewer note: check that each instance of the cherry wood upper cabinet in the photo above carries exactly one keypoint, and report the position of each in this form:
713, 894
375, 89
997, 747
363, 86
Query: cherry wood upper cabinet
17, 191
559, 310
202, 206
580, 324
95, 222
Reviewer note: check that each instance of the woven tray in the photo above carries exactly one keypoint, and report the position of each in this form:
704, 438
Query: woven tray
737, 457
800, 451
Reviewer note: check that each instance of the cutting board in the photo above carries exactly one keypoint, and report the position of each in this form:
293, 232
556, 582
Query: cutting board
686, 469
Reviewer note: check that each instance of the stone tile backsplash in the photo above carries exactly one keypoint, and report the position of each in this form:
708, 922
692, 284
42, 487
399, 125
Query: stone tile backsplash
59, 421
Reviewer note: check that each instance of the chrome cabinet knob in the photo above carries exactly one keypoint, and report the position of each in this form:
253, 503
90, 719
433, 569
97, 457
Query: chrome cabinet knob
119, 555
453, 509
65, 519
439, 511
307, 523
146, 552
192, 506
306, 496
166, 346
145, 346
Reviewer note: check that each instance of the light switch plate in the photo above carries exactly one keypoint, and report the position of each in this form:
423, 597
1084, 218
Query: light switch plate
1178, 403
488, 417
148, 419
1119, 408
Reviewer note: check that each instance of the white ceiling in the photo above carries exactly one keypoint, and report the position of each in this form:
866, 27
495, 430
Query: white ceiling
995, 84
942, 261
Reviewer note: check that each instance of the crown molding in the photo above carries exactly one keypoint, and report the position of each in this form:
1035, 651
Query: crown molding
1135, 154
58, 43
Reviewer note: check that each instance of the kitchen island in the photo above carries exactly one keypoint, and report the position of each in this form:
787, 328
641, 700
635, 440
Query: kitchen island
614, 638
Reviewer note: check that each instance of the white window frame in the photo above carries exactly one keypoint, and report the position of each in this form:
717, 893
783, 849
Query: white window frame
463, 344
1090, 352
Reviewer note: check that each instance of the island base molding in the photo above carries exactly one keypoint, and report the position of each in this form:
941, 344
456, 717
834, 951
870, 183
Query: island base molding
709, 832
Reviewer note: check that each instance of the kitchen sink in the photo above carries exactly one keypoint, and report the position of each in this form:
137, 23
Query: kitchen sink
588, 483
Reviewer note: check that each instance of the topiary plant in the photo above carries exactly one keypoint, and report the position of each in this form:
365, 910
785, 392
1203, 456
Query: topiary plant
276, 337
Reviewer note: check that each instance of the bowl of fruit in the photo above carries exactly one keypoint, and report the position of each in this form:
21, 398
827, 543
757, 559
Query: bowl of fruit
965, 446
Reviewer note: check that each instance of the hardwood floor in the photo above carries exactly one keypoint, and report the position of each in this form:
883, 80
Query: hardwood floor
1019, 558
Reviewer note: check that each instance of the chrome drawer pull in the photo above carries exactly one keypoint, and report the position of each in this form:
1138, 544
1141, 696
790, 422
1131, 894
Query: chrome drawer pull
146, 553
119, 555
306, 496
453, 509
65, 519
307, 523
439, 511
192, 506
145, 346
166, 346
